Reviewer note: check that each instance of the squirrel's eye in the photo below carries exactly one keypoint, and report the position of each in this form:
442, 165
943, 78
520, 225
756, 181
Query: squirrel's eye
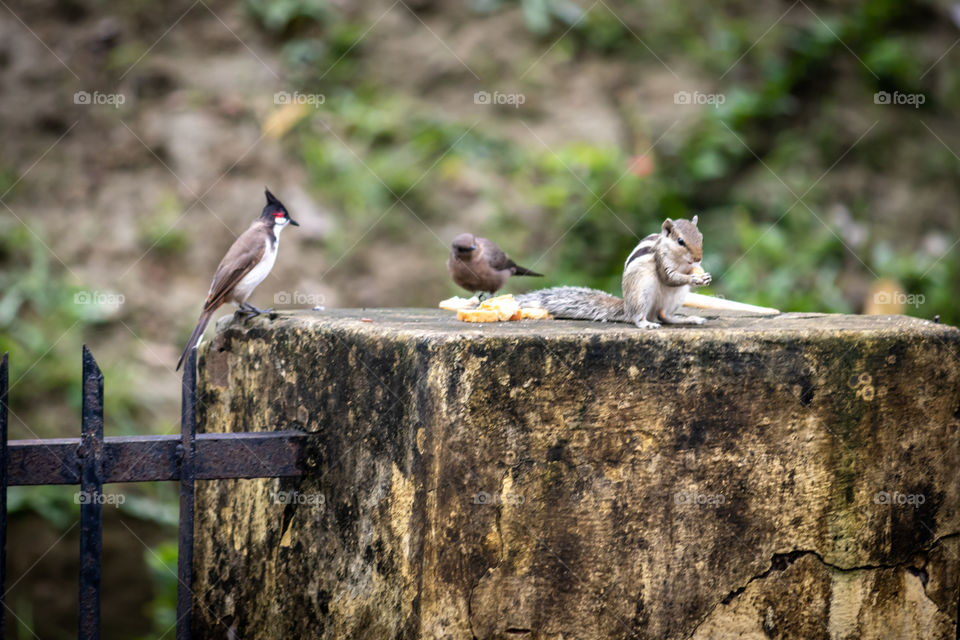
681, 242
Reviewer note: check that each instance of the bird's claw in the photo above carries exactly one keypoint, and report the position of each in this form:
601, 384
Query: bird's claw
252, 311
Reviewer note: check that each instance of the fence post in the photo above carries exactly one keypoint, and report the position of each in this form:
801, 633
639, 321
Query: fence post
188, 432
91, 506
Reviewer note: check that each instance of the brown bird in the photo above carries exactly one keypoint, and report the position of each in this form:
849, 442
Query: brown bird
479, 265
246, 264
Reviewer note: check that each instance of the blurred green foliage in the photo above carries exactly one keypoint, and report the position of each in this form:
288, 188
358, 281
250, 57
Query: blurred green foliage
152, 502
43, 320
162, 561
158, 232
286, 16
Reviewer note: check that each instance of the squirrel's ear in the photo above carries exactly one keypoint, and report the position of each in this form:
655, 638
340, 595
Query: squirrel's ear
667, 226
694, 221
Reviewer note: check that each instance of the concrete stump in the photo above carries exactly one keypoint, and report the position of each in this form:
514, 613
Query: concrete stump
788, 477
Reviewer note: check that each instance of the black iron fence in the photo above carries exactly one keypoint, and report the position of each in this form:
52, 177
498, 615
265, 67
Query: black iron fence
93, 460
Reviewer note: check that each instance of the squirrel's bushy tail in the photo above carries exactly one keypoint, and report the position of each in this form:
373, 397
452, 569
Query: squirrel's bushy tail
576, 303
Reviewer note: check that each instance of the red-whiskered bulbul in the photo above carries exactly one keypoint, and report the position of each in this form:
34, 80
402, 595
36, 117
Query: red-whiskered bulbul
245, 266
477, 264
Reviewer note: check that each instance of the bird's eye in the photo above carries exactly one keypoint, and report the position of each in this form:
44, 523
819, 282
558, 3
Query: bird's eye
681, 242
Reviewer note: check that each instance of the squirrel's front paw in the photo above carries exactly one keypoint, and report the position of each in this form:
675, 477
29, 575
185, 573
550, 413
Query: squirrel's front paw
701, 280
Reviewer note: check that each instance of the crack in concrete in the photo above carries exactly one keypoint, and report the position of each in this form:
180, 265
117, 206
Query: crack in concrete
782, 561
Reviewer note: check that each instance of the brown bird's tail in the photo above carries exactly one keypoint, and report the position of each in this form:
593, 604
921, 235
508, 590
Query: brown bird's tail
523, 271
195, 336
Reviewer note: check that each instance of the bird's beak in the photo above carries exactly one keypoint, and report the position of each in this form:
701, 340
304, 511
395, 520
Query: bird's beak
293, 222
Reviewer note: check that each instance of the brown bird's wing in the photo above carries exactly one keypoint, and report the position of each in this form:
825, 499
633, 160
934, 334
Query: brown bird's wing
494, 255
499, 261
243, 256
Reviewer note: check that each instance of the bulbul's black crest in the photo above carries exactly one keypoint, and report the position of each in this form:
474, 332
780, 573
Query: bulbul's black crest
273, 205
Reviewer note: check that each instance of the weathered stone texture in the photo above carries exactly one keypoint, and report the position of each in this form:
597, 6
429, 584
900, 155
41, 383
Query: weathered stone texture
794, 477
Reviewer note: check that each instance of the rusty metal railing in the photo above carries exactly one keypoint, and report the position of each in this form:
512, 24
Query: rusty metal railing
94, 460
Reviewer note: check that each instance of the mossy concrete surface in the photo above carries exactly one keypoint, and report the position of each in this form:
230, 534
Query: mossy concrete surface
787, 477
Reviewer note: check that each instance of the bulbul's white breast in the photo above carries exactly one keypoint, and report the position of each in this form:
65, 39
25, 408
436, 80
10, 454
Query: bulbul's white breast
259, 272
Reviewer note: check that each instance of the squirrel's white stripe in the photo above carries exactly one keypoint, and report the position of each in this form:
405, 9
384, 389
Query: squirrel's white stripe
645, 248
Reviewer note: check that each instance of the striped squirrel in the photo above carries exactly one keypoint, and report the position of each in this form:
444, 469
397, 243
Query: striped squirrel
656, 278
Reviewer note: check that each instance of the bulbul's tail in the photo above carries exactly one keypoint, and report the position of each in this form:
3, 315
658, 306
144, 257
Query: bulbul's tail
576, 303
523, 271
195, 336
